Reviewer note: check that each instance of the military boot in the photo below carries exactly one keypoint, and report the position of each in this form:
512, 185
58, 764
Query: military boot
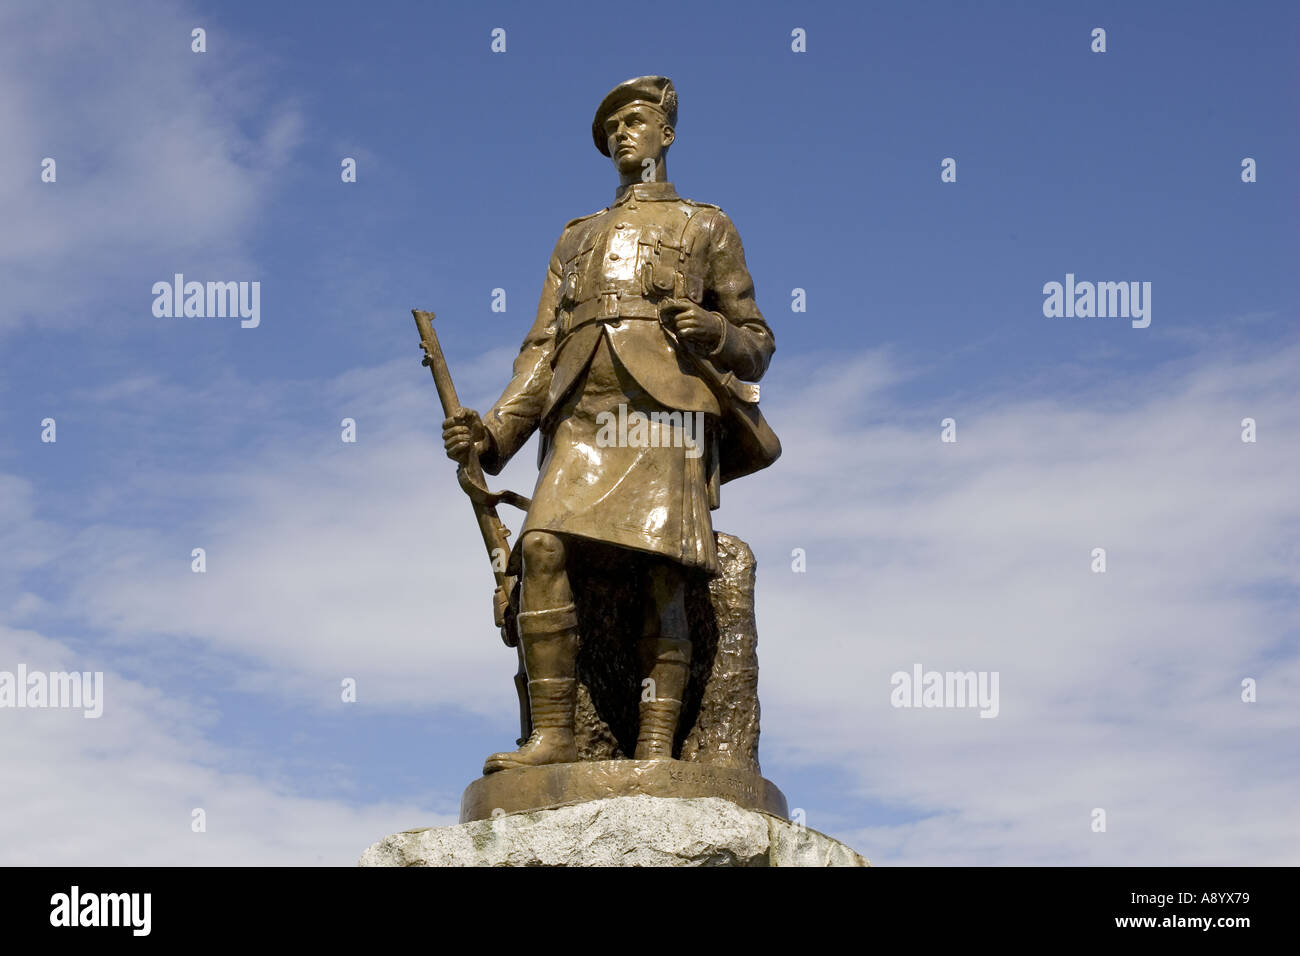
550, 641
667, 662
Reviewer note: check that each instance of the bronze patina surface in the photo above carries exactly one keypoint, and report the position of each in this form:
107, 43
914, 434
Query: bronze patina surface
632, 616
565, 784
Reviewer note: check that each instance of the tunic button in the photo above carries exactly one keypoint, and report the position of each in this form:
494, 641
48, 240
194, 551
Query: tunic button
620, 225
613, 256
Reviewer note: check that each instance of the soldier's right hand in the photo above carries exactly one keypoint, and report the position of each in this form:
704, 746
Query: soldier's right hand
462, 432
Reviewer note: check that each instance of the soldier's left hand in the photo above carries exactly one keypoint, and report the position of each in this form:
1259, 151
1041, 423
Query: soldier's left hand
693, 325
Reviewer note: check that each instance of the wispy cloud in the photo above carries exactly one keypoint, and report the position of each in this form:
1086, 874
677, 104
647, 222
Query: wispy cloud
1119, 691
179, 191
122, 789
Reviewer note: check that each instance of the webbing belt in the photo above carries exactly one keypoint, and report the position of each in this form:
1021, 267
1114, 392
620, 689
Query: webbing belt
614, 305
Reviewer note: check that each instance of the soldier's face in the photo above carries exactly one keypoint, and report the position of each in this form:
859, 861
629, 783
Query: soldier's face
636, 133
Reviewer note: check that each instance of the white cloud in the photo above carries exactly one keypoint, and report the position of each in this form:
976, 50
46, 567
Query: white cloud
1118, 691
120, 789
164, 157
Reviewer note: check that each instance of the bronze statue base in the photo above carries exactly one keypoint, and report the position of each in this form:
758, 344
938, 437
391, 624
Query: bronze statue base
566, 784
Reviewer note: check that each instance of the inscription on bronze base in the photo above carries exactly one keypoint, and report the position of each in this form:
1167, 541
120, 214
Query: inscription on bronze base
563, 784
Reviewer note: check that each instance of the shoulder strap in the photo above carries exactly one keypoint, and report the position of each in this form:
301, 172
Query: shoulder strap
574, 222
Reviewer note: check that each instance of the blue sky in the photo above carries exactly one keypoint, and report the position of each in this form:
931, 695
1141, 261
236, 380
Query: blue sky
331, 560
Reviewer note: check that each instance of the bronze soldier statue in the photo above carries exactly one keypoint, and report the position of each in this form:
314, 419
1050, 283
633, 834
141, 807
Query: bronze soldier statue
647, 314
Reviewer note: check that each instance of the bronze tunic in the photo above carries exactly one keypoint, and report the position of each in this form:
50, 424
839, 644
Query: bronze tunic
597, 344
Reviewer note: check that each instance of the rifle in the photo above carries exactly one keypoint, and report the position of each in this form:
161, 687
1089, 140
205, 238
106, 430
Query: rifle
470, 477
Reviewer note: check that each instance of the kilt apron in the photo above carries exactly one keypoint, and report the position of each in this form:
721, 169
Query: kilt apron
647, 490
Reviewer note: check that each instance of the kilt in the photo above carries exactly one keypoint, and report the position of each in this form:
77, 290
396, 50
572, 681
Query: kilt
649, 492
